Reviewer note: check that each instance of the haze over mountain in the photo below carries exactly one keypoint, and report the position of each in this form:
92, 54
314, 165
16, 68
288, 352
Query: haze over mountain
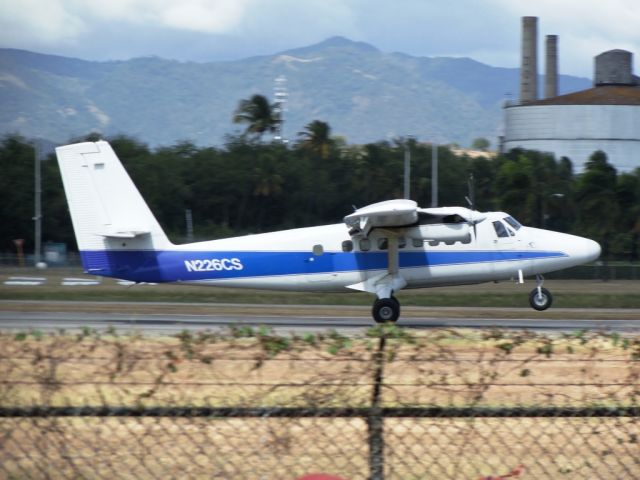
364, 94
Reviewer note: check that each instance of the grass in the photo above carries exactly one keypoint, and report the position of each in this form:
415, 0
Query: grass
567, 293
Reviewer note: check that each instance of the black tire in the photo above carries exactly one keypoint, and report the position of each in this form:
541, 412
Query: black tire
397, 302
386, 310
540, 303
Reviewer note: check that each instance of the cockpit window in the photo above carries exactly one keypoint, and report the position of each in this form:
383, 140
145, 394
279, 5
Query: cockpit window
501, 230
513, 222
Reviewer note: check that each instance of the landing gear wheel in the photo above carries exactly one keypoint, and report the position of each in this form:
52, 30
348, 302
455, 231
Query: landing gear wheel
397, 302
386, 310
540, 300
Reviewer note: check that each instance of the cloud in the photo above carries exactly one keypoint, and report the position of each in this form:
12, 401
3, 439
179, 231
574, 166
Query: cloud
33, 22
204, 16
201, 30
60, 22
210, 16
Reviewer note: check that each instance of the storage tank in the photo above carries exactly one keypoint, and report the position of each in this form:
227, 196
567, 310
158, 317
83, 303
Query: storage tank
605, 117
614, 68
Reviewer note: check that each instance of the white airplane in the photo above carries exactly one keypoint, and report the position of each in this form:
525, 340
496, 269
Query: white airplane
380, 249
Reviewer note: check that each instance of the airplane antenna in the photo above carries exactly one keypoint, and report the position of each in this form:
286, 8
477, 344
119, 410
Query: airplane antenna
281, 95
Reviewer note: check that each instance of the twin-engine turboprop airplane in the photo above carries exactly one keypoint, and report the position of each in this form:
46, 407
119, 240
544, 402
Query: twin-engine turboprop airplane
380, 249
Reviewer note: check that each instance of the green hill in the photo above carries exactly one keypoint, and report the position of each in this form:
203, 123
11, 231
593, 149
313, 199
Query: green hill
364, 94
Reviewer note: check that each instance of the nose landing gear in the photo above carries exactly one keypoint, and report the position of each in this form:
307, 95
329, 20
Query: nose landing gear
540, 298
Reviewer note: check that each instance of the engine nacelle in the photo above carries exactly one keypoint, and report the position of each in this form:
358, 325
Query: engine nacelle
441, 232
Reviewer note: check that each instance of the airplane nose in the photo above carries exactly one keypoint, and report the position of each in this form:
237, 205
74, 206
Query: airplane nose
589, 250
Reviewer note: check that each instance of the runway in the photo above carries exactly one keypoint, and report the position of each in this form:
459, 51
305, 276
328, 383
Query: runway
170, 318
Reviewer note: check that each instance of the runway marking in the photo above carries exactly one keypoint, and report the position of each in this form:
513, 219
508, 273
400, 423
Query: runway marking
25, 281
73, 282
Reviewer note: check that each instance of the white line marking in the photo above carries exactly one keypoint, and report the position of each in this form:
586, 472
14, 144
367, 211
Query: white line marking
72, 282
25, 281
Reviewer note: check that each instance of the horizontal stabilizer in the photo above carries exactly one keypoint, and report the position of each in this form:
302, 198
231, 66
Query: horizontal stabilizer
123, 233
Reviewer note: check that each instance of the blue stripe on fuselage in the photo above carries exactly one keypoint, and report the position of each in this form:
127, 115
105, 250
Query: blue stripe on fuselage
174, 265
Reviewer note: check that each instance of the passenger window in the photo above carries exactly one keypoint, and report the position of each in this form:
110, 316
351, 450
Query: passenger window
318, 250
434, 243
402, 242
383, 243
347, 246
417, 242
501, 230
365, 244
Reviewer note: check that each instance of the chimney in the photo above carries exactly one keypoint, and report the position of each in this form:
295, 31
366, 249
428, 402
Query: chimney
551, 67
529, 65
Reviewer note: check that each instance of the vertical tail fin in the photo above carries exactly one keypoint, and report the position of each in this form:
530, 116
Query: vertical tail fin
107, 211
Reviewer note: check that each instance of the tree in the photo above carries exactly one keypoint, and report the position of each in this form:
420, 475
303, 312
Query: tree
597, 204
259, 114
316, 138
534, 187
481, 144
628, 197
16, 192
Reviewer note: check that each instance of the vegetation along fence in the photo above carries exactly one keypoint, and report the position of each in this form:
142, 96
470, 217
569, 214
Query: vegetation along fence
251, 404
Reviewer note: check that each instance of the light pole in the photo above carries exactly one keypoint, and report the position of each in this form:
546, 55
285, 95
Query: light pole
407, 167
37, 218
434, 174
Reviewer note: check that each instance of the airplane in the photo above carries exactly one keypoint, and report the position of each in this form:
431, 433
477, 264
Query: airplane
380, 249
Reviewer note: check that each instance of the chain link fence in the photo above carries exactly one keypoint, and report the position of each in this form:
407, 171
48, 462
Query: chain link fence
391, 404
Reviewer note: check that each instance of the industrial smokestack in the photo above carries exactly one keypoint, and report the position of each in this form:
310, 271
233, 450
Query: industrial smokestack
551, 67
529, 65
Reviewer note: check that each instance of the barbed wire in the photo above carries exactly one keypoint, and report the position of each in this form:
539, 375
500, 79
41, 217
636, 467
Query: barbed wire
255, 405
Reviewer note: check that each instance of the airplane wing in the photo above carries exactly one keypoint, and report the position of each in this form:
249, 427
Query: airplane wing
403, 213
391, 213
397, 214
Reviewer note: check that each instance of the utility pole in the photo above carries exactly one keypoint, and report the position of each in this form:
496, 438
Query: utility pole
407, 167
434, 174
189, 221
37, 254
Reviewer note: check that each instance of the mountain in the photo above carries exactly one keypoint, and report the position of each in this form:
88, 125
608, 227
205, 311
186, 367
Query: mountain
364, 94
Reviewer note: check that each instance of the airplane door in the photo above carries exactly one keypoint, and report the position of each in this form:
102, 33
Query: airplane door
505, 243
319, 266
504, 235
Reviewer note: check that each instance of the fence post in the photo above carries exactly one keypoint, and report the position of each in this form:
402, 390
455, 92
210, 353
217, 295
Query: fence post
375, 420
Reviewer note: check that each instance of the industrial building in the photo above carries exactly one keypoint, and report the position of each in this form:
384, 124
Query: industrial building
605, 117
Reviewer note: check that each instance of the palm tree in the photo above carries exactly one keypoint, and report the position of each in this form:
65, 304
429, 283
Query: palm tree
259, 114
316, 137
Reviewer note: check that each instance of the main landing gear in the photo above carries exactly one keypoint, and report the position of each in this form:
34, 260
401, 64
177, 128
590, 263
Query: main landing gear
540, 298
386, 310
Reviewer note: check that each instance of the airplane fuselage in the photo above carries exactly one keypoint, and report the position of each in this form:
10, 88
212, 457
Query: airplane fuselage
315, 258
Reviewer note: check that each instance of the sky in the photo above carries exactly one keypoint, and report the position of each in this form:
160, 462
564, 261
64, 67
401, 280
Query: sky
211, 30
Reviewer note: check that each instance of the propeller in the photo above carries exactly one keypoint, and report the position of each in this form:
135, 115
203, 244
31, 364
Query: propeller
471, 200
